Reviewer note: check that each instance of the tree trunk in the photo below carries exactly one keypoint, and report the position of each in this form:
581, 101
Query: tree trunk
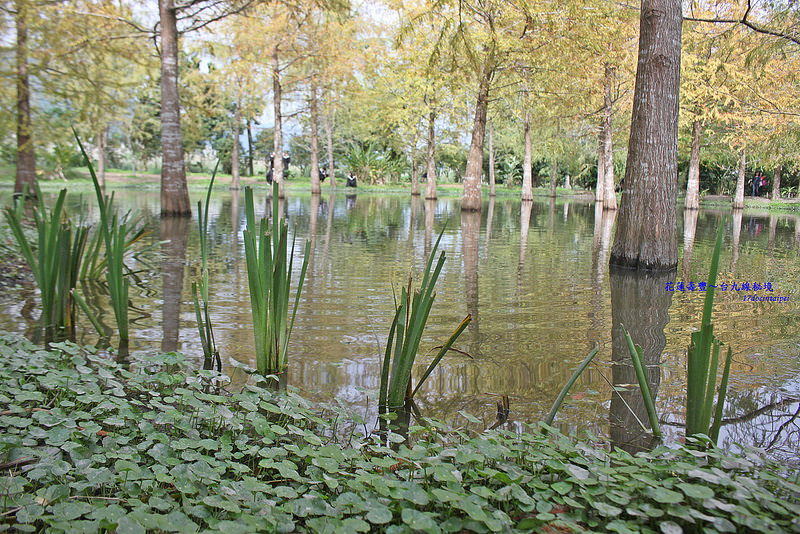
174, 193
776, 184
693, 180
738, 198
553, 178
527, 173
414, 177
331, 170
277, 169
471, 200
235, 185
26, 159
601, 162
430, 190
101, 156
491, 161
609, 192
315, 184
250, 171
647, 231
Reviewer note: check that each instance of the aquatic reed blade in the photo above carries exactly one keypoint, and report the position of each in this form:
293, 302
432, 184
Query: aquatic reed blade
200, 288
644, 383
564, 390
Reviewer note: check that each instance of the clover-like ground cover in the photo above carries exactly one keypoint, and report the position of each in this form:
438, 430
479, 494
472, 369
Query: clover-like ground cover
89, 446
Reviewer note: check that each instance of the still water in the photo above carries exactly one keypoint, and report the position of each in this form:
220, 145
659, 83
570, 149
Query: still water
533, 276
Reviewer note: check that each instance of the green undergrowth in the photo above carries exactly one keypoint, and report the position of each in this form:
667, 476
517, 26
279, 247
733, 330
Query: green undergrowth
87, 446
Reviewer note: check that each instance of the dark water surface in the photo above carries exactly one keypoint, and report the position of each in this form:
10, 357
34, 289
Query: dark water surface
534, 277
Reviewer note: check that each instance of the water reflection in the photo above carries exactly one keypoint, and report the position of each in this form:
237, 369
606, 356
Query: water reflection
174, 236
538, 289
430, 211
470, 234
736, 236
689, 232
640, 302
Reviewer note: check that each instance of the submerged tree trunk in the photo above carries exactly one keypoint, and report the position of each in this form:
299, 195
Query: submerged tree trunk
492, 177
174, 193
601, 162
430, 190
776, 184
471, 199
738, 197
235, 152
101, 156
609, 192
315, 184
250, 171
26, 159
527, 172
693, 179
646, 236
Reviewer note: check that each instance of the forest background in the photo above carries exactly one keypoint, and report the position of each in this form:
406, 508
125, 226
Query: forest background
390, 91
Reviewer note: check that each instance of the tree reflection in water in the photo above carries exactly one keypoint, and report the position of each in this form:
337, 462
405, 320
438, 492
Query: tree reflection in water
640, 302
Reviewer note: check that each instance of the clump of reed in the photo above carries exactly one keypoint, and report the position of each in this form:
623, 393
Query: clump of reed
200, 287
405, 334
269, 274
118, 233
54, 257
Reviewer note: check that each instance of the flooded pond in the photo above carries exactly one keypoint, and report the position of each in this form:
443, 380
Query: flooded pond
534, 277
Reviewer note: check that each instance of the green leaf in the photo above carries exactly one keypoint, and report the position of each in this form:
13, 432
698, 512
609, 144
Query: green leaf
562, 487
379, 514
418, 520
670, 527
696, 491
606, 510
665, 496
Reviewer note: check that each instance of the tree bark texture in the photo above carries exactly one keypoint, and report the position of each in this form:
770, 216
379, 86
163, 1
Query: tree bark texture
414, 176
693, 179
492, 177
471, 199
315, 184
553, 178
776, 184
738, 197
601, 162
26, 158
646, 237
329, 131
250, 171
101, 156
277, 169
609, 191
174, 193
430, 189
527, 172
235, 184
